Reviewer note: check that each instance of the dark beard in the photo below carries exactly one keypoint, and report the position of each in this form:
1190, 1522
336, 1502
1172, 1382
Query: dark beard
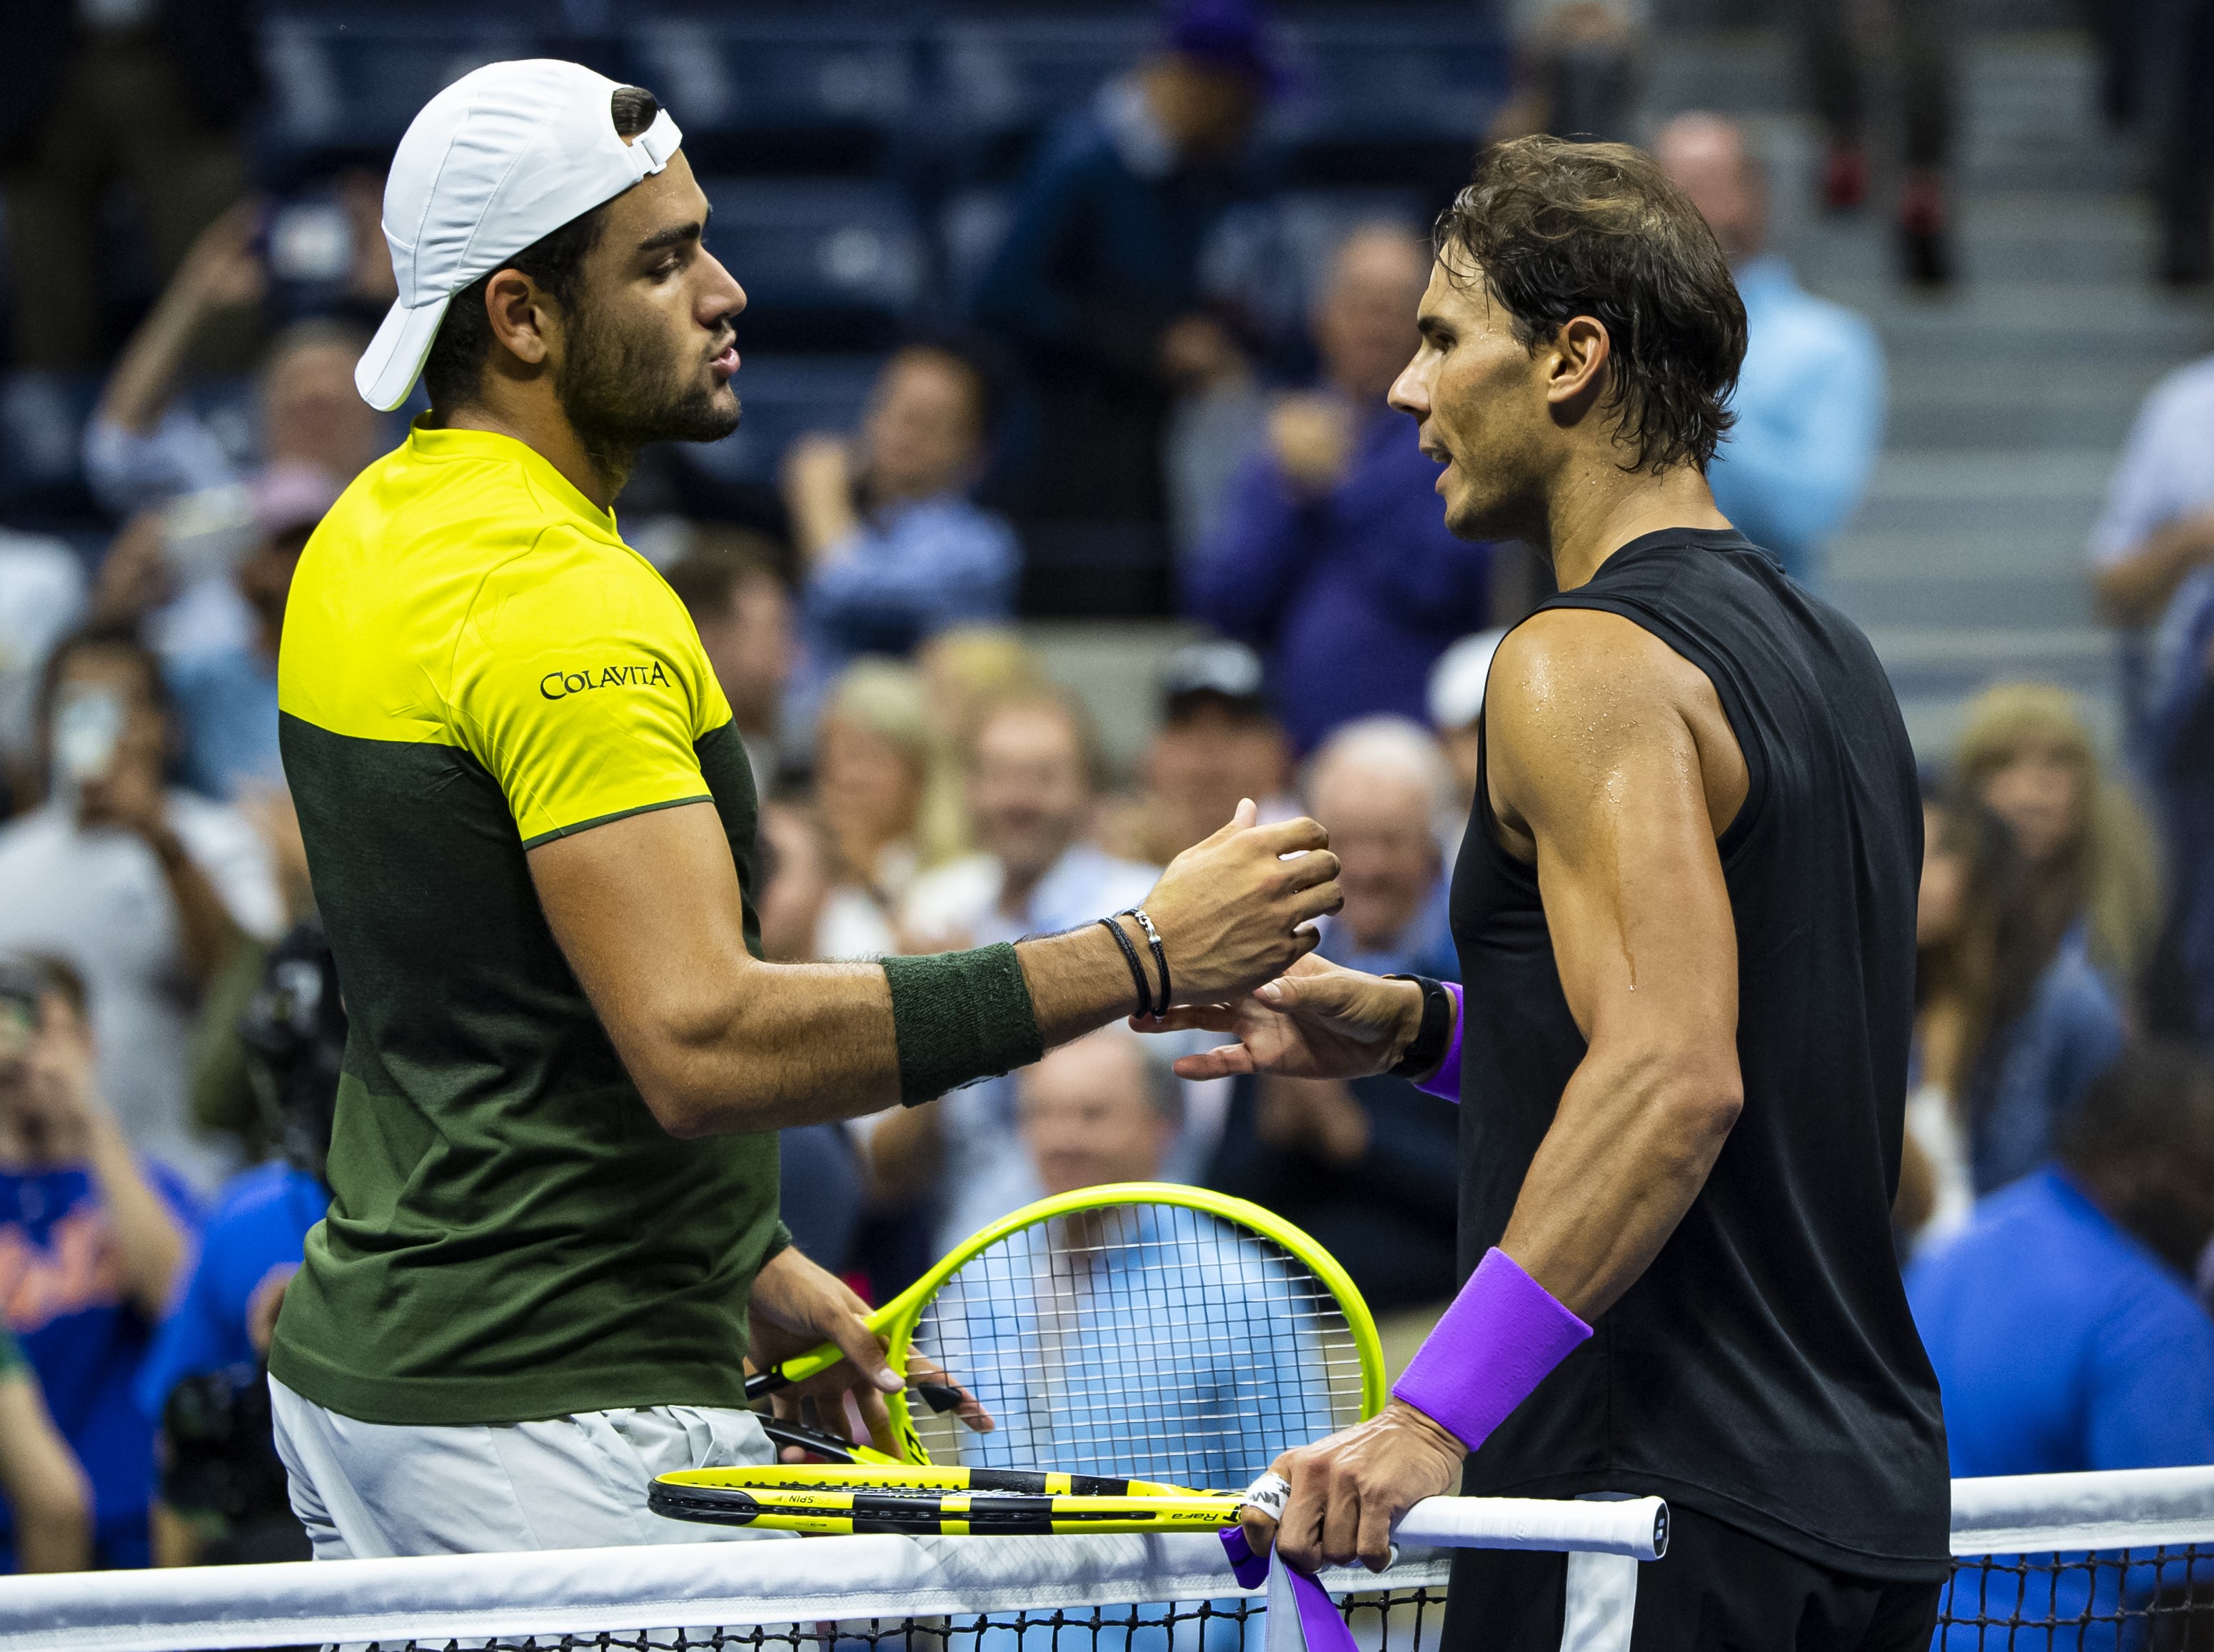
620, 391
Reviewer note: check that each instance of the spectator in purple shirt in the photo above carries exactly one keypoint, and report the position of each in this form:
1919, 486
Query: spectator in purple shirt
1333, 558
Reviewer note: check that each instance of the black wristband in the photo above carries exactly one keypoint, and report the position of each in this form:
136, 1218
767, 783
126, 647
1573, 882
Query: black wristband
1161, 953
1428, 1048
958, 1017
1137, 969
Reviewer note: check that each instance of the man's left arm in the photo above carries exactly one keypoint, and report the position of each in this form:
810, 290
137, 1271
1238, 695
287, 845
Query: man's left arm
1613, 763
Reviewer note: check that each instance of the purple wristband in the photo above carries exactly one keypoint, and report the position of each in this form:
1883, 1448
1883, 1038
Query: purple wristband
1501, 1336
1445, 1083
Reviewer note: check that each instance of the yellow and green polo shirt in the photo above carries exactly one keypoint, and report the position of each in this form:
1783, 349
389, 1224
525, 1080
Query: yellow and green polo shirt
474, 664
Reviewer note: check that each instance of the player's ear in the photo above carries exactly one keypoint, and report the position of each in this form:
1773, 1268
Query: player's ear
521, 316
1575, 365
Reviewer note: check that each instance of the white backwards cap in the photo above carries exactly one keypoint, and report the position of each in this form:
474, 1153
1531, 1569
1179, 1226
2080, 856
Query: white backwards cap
499, 161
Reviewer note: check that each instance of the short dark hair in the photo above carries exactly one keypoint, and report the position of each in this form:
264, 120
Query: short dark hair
707, 577
1559, 229
454, 370
107, 636
2139, 1139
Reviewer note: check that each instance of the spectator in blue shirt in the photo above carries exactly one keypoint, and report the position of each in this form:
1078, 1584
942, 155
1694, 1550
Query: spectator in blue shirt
1033, 770
1205, 1409
1333, 558
2061, 1321
1810, 396
1097, 287
90, 1243
1369, 1167
892, 549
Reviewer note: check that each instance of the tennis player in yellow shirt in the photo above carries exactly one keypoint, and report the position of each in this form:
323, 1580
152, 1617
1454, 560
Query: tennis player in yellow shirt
552, 1237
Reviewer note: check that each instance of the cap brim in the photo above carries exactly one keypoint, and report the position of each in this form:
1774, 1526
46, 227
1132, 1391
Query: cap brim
388, 370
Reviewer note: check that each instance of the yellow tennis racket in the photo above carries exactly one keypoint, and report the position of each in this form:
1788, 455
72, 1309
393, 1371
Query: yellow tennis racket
1137, 1329
838, 1499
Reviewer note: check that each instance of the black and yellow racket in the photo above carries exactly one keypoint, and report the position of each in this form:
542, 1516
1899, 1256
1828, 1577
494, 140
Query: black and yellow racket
1138, 1330
840, 1499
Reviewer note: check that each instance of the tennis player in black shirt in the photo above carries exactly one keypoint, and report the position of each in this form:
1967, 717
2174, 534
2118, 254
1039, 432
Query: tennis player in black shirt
1685, 908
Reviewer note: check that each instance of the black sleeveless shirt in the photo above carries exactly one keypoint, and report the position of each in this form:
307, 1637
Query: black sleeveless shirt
1764, 1370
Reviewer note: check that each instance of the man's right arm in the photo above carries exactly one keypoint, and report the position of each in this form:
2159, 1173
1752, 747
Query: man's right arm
45, 1488
2133, 589
647, 910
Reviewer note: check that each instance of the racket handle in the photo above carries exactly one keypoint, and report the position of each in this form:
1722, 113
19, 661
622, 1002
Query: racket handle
798, 1369
1632, 1526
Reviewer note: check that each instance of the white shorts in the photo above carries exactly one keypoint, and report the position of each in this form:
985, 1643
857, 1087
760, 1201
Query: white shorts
367, 1490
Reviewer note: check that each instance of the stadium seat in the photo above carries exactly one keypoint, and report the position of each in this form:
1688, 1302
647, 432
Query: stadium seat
784, 397
344, 81
762, 96
1001, 81
826, 265
1388, 100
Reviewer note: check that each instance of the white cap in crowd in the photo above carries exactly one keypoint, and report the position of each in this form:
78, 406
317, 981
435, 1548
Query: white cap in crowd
1457, 680
496, 162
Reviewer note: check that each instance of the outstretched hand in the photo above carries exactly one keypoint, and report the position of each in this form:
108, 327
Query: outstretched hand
1317, 1020
1238, 908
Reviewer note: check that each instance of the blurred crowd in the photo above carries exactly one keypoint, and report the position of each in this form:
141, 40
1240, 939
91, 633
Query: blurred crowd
171, 1025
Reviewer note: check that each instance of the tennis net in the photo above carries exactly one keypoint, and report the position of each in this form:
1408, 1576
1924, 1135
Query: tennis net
2120, 1561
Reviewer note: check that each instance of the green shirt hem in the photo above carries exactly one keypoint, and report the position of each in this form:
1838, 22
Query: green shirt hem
473, 1401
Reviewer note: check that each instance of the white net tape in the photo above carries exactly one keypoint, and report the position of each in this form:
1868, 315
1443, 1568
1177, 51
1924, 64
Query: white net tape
880, 1589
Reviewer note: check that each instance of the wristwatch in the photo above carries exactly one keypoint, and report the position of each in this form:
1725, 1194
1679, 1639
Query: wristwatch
1428, 1048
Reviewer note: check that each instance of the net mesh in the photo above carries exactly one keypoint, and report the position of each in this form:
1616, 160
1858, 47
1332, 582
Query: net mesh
2114, 1563
2160, 1598
1404, 1619
1151, 1340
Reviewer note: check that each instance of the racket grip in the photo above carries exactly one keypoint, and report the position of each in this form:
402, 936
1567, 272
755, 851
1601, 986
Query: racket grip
1633, 1526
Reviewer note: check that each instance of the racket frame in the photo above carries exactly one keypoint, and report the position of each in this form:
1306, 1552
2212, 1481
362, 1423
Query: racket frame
899, 1318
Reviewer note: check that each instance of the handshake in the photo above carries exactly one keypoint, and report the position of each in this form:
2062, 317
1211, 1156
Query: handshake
1234, 920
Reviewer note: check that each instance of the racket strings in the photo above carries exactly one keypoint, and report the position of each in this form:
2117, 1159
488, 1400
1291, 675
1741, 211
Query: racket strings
1155, 1342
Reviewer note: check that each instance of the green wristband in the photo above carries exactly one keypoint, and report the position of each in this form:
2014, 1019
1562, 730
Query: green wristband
959, 1017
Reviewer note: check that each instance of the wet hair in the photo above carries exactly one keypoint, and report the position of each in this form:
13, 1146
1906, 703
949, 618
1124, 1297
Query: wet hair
1556, 230
454, 370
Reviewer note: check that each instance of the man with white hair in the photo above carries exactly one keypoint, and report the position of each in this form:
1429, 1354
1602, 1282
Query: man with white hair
1332, 560
1366, 1166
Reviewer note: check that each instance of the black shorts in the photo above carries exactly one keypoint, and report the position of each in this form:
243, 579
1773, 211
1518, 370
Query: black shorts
1718, 1590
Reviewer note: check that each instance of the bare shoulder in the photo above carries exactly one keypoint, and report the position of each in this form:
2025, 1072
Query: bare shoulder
1577, 694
